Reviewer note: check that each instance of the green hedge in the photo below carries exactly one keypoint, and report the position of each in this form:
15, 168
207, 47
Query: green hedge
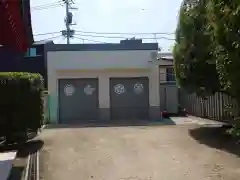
21, 102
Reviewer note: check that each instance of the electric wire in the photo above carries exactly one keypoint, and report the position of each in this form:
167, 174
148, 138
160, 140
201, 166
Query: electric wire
123, 37
54, 37
84, 39
48, 6
136, 33
45, 8
109, 37
41, 34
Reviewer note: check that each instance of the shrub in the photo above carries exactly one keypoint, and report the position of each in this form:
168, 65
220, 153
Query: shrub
21, 103
235, 132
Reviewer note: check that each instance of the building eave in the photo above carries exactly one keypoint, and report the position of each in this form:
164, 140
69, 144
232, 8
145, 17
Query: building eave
15, 22
26, 16
103, 47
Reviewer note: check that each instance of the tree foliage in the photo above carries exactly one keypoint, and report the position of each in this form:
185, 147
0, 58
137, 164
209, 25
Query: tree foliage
224, 19
207, 49
195, 66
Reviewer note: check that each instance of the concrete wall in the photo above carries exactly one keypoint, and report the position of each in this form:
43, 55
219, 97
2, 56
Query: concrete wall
165, 63
102, 65
169, 100
99, 59
168, 90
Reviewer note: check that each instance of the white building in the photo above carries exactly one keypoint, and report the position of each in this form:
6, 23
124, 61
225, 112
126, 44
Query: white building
103, 82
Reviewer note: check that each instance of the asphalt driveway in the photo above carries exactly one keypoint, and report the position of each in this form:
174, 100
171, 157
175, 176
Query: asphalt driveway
136, 153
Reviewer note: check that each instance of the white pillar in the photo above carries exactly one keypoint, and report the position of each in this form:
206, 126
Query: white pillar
104, 97
154, 92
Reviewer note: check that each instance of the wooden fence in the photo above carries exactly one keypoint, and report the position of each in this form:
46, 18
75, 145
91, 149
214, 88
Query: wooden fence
213, 107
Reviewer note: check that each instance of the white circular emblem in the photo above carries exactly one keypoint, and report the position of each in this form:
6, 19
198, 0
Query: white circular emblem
119, 89
138, 88
69, 90
88, 90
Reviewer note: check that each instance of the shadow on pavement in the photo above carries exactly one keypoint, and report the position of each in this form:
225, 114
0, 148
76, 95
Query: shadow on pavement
16, 173
23, 149
216, 137
30, 148
113, 124
168, 121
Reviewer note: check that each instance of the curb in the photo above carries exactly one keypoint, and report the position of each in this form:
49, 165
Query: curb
27, 168
37, 173
32, 168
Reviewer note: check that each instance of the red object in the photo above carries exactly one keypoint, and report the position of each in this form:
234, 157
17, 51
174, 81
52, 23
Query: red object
165, 114
12, 28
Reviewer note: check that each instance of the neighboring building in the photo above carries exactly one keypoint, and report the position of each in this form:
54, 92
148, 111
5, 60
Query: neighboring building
15, 22
165, 62
32, 61
103, 81
169, 92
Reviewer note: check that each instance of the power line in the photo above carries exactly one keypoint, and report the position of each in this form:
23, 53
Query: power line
41, 34
170, 39
51, 38
48, 6
104, 35
110, 37
122, 37
163, 33
89, 40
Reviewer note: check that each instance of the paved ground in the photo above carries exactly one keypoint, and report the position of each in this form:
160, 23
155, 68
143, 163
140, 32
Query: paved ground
194, 120
137, 153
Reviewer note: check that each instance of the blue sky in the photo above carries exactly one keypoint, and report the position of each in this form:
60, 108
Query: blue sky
110, 16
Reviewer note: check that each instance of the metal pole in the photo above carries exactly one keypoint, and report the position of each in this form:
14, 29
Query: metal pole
155, 37
67, 23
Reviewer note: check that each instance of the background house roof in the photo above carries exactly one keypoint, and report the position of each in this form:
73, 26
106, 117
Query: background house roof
43, 42
103, 47
166, 56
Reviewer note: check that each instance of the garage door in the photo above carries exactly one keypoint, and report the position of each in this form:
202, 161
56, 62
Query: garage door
129, 98
78, 100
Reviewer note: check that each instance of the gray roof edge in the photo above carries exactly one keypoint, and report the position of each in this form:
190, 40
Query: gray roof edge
43, 42
101, 47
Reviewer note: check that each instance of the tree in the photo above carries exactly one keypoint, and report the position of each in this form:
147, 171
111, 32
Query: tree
224, 18
195, 65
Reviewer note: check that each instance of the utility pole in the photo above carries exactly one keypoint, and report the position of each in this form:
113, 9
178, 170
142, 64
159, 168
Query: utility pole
68, 33
67, 21
155, 37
